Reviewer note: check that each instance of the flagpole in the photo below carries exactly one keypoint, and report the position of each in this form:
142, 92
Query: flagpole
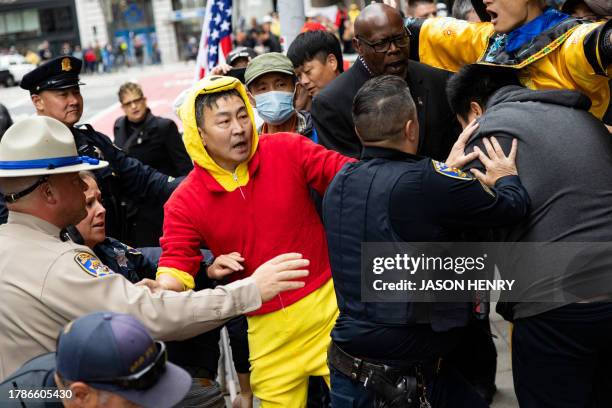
292, 17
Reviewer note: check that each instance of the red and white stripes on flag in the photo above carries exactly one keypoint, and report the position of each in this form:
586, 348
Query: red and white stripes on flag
216, 40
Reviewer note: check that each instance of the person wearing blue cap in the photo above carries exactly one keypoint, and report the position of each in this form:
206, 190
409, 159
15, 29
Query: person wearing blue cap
103, 359
45, 282
55, 92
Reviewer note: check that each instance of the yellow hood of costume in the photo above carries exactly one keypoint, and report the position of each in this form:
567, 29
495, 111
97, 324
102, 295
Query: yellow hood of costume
193, 142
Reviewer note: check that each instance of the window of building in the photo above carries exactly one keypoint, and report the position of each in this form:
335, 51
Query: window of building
56, 19
187, 4
19, 21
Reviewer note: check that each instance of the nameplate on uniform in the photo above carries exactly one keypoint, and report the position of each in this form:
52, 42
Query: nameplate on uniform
92, 265
452, 172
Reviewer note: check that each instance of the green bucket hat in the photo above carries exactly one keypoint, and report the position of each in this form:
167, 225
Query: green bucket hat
266, 63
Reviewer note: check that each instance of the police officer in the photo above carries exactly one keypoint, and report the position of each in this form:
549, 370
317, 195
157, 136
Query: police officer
198, 355
46, 282
392, 195
54, 90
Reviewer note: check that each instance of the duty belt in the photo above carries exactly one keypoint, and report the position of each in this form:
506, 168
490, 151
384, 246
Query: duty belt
357, 369
405, 385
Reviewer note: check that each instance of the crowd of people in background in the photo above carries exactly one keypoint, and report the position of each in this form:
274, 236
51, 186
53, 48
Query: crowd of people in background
97, 58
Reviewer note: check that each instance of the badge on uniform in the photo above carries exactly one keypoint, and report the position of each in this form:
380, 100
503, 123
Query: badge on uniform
120, 257
92, 265
451, 172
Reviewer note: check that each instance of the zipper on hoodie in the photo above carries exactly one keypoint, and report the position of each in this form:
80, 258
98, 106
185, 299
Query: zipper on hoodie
235, 176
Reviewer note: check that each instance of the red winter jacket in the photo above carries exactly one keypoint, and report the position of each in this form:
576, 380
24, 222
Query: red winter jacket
271, 215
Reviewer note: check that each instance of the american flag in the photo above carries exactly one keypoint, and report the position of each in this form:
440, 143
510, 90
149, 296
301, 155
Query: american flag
216, 40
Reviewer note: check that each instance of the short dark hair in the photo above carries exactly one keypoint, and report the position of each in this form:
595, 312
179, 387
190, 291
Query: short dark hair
209, 101
314, 44
382, 107
476, 83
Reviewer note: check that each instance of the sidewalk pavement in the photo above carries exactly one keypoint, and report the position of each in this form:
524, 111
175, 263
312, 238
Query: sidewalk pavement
504, 398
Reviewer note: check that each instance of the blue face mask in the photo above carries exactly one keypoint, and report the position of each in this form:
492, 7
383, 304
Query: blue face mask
275, 107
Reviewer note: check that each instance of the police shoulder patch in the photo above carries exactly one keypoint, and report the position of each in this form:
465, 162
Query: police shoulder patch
92, 265
451, 172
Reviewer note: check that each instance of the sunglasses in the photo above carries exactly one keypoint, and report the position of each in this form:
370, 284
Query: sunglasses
145, 378
129, 103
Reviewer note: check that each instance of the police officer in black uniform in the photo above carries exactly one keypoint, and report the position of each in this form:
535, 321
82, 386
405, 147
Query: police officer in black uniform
388, 354
54, 90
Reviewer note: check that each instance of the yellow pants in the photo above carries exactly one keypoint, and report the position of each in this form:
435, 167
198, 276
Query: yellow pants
289, 345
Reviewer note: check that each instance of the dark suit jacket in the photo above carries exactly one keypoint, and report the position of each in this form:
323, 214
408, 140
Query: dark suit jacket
158, 144
331, 110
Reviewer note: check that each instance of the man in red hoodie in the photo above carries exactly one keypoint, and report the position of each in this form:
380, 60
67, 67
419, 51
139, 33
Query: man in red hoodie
249, 197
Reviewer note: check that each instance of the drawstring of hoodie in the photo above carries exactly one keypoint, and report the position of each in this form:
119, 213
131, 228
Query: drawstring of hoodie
235, 177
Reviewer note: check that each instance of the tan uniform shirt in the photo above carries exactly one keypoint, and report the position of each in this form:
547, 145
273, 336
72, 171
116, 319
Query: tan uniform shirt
45, 283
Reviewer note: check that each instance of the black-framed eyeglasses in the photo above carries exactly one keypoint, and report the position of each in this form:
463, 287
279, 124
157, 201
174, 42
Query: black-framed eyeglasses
400, 41
145, 378
129, 103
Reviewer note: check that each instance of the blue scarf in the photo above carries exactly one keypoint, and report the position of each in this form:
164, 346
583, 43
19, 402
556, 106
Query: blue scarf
525, 33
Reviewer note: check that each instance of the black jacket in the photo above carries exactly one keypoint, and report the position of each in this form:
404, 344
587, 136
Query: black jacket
126, 178
331, 110
156, 143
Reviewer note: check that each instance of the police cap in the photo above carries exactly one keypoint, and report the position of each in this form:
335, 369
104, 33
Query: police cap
58, 73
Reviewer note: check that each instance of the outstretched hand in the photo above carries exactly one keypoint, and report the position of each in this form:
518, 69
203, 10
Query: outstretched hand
279, 274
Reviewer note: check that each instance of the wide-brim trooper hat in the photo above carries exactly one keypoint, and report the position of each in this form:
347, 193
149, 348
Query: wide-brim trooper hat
40, 146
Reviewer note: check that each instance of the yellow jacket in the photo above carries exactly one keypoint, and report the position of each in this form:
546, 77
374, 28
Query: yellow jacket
558, 58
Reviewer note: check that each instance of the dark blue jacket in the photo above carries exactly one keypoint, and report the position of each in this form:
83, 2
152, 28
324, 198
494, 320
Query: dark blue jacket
390, 196
125, 260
